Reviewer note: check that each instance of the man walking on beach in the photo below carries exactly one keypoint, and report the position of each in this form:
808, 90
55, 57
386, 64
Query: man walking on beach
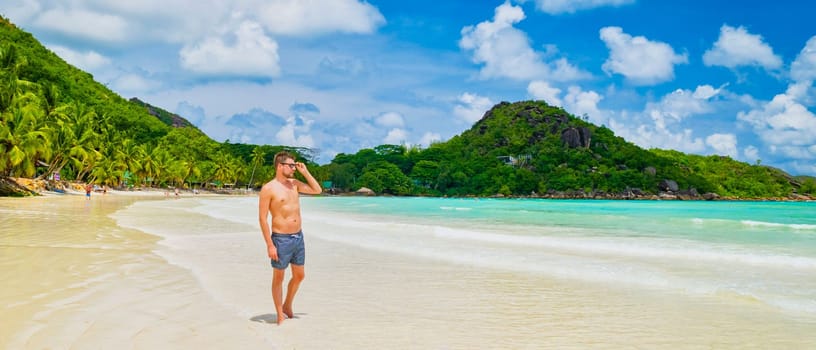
284, 243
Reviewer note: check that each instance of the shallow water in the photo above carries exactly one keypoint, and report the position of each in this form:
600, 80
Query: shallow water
762, 251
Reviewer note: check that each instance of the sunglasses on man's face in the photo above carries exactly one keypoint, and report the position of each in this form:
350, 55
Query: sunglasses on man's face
291, 165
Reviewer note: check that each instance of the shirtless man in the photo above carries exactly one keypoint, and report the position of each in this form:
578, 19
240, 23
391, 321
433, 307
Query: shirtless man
284, 244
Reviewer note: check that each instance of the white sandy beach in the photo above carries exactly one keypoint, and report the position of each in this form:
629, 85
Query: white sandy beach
78, 274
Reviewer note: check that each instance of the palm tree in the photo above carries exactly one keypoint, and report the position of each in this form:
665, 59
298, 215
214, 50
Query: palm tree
221, 172
23, 140
109, 171
8, 90
50, 96
86, 161
10, 65
227, 168
62, 139
130, 154
147, 164
163, 164
258, 155
84, 153
14, 93
175, 172
190, 170
237, 169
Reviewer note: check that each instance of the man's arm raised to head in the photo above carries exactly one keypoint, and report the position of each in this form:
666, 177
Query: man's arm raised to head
311, 186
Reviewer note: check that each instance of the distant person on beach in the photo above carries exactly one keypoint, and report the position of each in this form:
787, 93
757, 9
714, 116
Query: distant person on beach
88, 189
284, 242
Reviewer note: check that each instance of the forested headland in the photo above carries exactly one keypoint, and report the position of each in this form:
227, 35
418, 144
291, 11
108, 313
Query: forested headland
56, 119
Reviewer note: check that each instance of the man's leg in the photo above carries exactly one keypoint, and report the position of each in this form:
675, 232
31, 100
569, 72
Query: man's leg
277, 292
298, 273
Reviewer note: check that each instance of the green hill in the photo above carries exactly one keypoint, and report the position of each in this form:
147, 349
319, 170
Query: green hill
530, 148
56, 119
30, 68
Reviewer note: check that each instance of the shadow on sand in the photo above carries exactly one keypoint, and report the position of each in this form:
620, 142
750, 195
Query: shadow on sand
271, 318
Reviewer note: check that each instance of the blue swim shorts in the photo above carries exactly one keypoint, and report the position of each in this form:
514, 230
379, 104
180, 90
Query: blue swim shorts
290, 249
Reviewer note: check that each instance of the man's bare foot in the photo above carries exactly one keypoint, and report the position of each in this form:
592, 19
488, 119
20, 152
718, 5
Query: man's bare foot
287, 309
281, 317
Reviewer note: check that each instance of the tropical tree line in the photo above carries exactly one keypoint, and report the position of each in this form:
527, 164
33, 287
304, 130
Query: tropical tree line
440, 170
43, 133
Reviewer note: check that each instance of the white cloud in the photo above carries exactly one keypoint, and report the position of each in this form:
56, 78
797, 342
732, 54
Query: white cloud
736, 47
174, 21
658, 136
541, 90
125, 22
580, 103
803, 168
803, 73
785, 125
180, 21
640, 60
704, 92
194, 114
576, 101
133, 84
723, 144
680, 104
804, 67
84, 24
86, 61
471, 107
390, 119
751, 153
797, 152
297, 17
659, 124
429, 138
295, 133
506, 53
247, 51
555, 7
21, 11
395, 136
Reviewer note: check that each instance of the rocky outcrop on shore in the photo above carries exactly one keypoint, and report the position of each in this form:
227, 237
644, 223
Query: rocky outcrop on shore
636, 194
23, 187
10, 188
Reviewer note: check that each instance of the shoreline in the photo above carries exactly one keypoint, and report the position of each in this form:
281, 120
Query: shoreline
799, 198
37, 188
51, 187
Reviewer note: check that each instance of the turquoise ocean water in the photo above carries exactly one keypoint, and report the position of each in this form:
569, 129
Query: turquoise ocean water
758, 252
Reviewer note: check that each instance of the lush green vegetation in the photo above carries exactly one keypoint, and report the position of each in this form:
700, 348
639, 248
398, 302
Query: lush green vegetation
57, 119
524, 148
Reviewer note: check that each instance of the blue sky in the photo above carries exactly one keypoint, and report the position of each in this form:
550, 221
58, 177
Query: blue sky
702, 77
